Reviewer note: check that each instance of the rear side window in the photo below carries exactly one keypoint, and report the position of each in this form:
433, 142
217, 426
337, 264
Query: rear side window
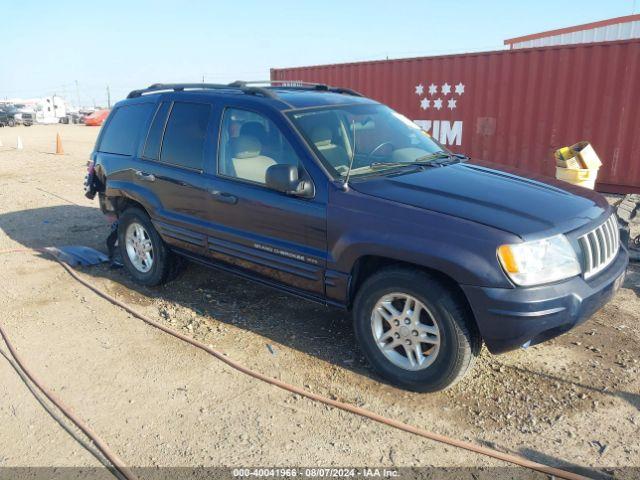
152, 146
122, 130
184, 136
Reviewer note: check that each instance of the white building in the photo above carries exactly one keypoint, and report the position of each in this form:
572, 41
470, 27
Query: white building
619, 28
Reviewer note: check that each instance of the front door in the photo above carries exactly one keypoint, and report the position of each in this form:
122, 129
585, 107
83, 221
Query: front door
276, 236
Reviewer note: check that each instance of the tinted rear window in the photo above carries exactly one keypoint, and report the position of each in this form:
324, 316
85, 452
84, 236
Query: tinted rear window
152, 146
123, 128
184, 135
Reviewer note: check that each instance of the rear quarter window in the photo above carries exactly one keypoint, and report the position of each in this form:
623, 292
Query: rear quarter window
122, 131
184, 135
152, 145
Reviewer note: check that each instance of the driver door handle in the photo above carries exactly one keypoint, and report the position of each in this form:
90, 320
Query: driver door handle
224, 197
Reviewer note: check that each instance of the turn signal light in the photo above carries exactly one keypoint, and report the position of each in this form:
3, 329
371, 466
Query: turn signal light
507, 259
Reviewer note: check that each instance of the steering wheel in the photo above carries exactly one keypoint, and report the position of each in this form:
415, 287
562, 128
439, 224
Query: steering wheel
370, 154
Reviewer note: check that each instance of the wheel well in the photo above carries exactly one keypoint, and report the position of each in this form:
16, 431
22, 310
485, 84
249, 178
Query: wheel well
369, 264
117, 205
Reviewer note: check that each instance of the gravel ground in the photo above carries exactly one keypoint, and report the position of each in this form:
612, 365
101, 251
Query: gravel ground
573, 402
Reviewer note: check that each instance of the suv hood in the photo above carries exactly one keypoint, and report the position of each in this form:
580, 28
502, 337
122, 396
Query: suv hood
499, 198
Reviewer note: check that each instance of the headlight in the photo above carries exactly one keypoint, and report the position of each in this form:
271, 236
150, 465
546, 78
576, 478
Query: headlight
539, 261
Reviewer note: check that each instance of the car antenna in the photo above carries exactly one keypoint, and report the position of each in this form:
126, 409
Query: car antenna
345, 184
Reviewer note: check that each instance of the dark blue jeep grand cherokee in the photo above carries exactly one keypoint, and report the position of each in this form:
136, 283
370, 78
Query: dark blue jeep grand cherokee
336, 198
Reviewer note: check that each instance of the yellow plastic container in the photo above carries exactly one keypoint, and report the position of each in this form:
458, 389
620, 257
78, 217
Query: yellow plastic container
564, 153
582, 177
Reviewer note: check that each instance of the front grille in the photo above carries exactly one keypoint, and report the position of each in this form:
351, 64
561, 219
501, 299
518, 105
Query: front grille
600, 246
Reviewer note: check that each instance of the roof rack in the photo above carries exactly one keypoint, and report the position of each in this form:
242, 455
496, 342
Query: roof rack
250, 88
345, 91
299, 85
179, 87
282, 83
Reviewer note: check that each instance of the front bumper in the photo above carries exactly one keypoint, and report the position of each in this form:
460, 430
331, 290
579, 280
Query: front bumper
512, 317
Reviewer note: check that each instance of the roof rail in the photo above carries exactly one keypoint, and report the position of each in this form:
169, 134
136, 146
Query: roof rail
179, 87
345, 91
283, 83
176, 87
299, 84
250, 88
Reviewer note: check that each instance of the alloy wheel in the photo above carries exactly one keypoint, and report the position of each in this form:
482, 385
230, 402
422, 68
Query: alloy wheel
139, 247
405, 331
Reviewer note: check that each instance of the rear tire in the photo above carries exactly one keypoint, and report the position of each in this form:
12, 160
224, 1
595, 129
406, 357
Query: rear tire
414, 330
144, 254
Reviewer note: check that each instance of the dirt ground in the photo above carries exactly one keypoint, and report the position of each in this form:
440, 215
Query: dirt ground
572, 402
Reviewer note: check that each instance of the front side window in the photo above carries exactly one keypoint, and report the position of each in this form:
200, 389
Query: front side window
121, 134
184, 135
249, 144
376, 137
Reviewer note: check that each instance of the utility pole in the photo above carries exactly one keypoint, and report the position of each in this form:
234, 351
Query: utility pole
78, 94
108, 98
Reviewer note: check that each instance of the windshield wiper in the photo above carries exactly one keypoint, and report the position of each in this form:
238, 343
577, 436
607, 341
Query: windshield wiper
374, 165
436, 159
440, 159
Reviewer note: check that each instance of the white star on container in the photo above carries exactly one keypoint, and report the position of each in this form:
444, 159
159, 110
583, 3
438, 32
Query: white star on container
446, 89
424, 103
460, 88
419, 89
437, 103
451, 103
433, 89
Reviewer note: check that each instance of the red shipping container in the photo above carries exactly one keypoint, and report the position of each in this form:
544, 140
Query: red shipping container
514, 107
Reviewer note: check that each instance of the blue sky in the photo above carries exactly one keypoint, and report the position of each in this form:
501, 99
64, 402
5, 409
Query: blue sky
48, 46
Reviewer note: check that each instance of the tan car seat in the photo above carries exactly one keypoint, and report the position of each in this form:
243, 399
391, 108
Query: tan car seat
334, 154
247, 161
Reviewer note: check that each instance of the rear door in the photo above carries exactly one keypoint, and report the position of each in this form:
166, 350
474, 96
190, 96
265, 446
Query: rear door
171, 166
117, 148
273, 235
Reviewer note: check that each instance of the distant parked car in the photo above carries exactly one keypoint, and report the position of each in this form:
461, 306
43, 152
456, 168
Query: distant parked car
7, 118
71, 118
84, 113
96, 118
25, 118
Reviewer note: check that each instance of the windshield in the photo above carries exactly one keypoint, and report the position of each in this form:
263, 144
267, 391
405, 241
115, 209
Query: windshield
384, 139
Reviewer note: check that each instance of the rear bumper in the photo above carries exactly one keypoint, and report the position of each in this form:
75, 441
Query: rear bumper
511, 317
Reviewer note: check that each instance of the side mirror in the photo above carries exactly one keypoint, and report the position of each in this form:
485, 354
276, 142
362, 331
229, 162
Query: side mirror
284, 178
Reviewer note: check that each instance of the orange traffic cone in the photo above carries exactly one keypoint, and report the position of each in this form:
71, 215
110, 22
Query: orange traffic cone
59, 150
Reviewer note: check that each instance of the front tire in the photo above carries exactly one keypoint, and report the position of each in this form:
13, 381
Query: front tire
144, 254
415, 330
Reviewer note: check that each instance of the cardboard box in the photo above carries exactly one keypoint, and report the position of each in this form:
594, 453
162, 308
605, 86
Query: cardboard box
587, 155
578, 156
572, 163
565, 158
